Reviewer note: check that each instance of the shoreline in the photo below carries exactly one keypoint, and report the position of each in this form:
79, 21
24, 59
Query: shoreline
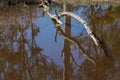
72, 2
78, 2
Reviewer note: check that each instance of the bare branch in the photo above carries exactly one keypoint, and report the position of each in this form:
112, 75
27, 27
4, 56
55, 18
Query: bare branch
74, 60
58, 25
89, 31
76, 43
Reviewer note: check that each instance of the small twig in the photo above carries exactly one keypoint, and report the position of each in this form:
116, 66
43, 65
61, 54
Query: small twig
56, 35
74, 60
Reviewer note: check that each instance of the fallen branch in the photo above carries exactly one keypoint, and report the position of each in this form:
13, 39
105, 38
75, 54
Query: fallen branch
89, 31
76, 43
57, 23
95, 38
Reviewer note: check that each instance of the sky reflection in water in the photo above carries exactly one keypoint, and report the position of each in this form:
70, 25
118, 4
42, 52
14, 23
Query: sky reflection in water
104, 20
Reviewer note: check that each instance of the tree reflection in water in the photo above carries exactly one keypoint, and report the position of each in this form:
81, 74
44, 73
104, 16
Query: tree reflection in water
104, 21
21, 57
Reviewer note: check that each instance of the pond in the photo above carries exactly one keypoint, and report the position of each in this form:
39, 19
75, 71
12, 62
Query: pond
30, 49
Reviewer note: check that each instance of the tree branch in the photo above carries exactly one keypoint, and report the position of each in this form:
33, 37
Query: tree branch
57, 23
76, 43
89, 31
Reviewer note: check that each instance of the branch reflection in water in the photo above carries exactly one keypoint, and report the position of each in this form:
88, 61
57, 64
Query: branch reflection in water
22, 58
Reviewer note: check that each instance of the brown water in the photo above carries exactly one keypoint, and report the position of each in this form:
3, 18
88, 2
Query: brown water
28, 50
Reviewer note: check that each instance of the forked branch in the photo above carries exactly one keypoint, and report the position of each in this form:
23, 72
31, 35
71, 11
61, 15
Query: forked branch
57, 23
84, 23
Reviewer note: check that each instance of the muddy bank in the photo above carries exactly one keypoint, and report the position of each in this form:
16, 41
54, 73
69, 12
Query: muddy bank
75, 2
15, 2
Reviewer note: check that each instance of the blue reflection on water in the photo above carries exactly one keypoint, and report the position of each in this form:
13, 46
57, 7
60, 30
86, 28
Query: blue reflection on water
46, 37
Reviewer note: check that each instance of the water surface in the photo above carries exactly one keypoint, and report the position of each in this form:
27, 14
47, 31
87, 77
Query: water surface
28, 49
